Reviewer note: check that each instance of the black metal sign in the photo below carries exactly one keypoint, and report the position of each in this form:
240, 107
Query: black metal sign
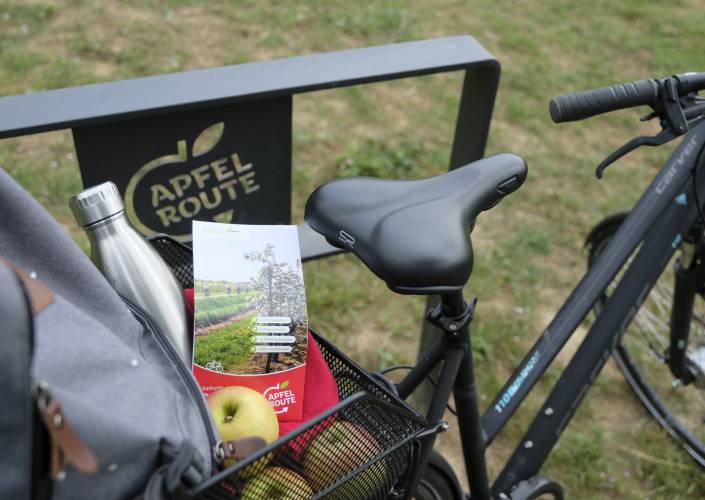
226, 164
141, 133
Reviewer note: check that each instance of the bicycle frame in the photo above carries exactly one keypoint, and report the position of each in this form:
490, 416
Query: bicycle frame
660, 219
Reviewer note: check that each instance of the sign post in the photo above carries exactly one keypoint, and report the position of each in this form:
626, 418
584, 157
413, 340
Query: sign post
273, 335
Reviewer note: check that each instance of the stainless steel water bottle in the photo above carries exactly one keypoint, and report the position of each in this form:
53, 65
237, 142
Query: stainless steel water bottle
129, 262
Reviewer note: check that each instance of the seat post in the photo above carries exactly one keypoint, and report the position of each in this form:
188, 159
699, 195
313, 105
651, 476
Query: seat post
453, 304
466, 400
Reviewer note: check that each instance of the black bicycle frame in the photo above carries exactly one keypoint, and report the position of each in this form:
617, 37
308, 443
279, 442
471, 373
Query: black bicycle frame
689, 274
656, 251
454, 350
661, 219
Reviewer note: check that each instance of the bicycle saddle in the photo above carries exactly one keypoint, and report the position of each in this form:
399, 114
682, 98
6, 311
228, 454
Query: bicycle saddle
414, 234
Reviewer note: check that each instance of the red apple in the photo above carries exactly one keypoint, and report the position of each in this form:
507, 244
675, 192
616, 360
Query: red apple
339, 449
277, 483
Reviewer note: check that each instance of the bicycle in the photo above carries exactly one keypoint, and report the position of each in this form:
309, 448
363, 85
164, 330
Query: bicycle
414, 236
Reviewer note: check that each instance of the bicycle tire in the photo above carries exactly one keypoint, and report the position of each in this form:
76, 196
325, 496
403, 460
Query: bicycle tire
626, 361
438, 481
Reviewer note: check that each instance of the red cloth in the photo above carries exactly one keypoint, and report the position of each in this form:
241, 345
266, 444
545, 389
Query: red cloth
321, 391
188, 300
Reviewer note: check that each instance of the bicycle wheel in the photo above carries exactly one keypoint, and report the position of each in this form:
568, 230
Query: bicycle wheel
640, 355
438, 481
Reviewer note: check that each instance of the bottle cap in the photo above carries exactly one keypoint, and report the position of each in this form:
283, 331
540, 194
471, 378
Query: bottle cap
96, 204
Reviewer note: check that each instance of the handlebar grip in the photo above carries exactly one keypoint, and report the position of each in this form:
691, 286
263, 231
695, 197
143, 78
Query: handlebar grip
572, 107
690, 82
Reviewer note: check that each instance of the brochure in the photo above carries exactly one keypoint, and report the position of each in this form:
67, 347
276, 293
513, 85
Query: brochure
250, 321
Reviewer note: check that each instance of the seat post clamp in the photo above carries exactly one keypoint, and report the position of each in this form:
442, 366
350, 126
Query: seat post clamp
451, 324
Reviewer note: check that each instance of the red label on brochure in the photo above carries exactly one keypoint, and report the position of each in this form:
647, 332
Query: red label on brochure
282, 389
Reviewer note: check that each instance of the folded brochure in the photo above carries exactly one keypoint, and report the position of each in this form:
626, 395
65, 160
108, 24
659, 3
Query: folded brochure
250, 321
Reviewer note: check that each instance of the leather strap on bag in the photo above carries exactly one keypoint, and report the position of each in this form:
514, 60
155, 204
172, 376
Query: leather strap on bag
38, 293
66, 447
240, 448
183, 467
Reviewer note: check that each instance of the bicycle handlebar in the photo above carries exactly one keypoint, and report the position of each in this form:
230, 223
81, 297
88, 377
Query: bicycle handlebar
580, 105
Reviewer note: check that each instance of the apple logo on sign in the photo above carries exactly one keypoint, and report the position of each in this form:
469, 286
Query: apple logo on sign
200, 181
279, 397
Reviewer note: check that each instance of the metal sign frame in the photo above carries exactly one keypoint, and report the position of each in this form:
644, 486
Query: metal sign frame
87, 107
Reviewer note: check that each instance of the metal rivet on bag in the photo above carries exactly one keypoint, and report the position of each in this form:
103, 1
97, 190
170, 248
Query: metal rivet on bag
134, 362
33, 275
112, 467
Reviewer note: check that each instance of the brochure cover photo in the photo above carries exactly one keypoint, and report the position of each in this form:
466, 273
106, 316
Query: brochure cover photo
250, 321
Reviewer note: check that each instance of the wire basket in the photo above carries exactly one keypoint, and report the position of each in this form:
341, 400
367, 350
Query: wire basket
177, 256
361, 448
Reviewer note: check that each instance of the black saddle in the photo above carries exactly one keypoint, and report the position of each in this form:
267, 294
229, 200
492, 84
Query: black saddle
415, 235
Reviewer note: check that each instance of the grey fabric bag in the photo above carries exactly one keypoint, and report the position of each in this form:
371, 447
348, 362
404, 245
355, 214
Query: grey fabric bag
123, 390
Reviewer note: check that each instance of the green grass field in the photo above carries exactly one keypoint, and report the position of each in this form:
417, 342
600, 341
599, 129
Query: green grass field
219, 287
528, 250
230, 346
213, 309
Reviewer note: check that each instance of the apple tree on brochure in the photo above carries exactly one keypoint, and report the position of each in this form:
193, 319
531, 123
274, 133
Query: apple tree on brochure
280, 286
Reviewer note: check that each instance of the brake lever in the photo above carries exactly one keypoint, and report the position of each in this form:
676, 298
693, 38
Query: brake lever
659, 139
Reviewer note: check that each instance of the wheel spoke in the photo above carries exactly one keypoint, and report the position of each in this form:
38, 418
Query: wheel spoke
652, 322
679, 409
663, 298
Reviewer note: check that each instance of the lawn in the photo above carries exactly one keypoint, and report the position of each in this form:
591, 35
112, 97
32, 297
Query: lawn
213, 309
230, 346
528, 250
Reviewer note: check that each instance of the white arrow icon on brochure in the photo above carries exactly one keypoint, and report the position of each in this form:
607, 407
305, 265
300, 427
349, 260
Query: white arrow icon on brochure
270, 389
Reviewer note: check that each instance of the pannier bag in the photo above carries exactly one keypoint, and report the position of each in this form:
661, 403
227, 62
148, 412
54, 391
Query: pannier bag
89, 383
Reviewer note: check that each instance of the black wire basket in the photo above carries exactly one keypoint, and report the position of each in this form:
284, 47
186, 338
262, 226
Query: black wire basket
178, 257
362, 448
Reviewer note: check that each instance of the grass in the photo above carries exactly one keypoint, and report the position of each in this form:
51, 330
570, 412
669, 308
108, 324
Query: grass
528, 249
219, 308
230, 346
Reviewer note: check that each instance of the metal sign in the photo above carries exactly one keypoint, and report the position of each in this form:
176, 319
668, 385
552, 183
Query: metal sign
141, 133
225, 164
121, 127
